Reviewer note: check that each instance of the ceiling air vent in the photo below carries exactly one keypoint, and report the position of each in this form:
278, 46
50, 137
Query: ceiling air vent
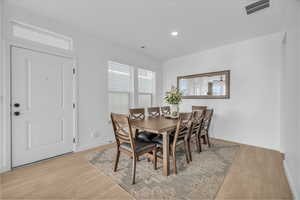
260, 5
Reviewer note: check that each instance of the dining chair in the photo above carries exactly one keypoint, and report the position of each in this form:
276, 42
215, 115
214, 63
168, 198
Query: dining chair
127, 144
165, 110
195, 108
153, 112
139, 114
204, 131
197, 120
180, 137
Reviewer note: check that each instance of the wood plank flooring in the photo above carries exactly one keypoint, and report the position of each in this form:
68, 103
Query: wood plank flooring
255, 174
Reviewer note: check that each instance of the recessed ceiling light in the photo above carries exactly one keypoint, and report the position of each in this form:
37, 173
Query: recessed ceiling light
174, 33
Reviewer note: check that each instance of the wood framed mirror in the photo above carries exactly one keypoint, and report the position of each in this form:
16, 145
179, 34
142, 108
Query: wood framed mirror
213, 85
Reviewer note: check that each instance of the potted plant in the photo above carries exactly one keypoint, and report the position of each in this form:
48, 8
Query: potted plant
174, 97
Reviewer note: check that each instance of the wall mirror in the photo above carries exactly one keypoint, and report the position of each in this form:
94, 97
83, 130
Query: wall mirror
213, 85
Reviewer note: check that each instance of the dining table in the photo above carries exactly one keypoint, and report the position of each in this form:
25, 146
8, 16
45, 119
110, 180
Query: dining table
161, 126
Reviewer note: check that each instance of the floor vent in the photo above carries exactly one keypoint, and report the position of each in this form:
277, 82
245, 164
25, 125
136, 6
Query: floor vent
260, 5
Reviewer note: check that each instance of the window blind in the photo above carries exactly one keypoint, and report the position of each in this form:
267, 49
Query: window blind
120, 84
146, 87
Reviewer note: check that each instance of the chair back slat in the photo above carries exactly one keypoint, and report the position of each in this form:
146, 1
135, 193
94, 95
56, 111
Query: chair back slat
196, 108
123, 137
153, 112
197, 120
165, 110
186, 116
121, 140
122, 129
137, 113
207, 119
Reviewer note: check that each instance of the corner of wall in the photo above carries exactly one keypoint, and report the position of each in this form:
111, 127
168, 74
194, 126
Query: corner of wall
291, 181
1, 82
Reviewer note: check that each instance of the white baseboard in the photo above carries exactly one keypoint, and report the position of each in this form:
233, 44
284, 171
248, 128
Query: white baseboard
78, 149
291, 181
3, 170
249, 144
91, 146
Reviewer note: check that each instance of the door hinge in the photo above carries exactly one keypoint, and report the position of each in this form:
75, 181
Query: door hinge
74, 140
74, 106
74, 71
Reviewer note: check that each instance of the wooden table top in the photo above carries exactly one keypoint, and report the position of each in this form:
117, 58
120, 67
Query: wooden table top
157, 125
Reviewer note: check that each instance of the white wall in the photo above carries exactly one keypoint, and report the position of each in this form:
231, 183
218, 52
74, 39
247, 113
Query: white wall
290, 96
1, 63
251, 115
92, 54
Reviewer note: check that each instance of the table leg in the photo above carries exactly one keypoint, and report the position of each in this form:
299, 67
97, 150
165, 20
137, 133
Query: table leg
166, 159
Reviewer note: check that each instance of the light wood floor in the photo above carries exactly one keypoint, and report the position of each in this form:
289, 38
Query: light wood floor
255, 174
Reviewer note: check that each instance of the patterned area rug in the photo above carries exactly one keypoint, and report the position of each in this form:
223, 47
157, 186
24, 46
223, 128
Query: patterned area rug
201, 179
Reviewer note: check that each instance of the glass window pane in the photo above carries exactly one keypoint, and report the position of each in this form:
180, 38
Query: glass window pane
119, 77
41, 36
145, 100
118, 102
146, 81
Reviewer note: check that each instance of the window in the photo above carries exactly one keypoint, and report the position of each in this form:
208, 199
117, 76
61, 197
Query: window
42, 36
129, 87
120, 84
145, 100
146, 87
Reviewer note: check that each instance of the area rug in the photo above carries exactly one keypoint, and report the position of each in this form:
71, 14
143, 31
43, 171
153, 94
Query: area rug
200, 179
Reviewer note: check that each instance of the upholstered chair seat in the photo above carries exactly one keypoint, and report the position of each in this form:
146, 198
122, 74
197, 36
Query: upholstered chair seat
146, 136
140, 146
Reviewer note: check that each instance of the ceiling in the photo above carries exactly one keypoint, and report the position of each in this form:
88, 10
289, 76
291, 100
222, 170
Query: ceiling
202, 24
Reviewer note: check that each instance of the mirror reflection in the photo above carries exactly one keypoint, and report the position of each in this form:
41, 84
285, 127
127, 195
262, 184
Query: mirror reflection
209, 85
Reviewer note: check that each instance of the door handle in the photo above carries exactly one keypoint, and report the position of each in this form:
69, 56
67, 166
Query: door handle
17, 113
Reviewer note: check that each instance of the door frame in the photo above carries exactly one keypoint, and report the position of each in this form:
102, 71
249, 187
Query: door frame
8, 97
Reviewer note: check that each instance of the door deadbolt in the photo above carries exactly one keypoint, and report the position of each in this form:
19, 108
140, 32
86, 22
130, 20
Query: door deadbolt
17, 105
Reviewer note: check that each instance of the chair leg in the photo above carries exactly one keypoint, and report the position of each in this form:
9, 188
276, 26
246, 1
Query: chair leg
208, 142
174, 161
117, 160
186, 152
155, 159
198, 142
204, 139
189, 149
133, 169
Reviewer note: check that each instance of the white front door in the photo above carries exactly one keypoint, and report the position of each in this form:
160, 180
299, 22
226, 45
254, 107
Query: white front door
42, 107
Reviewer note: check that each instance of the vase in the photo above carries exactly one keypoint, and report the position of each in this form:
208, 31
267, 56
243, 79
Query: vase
174, 110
